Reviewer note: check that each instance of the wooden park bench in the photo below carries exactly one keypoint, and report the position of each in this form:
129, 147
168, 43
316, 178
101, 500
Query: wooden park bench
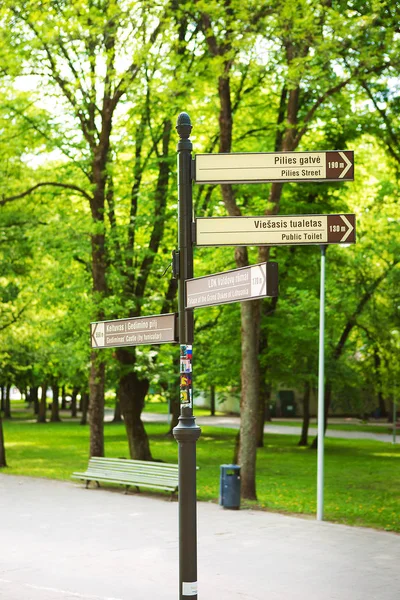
136, 473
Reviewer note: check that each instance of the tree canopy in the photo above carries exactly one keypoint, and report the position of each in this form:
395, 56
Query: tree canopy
88, 196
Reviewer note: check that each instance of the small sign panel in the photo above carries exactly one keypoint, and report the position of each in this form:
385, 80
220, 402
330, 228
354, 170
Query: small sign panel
157, 329
276, 230
252, 167
246, 283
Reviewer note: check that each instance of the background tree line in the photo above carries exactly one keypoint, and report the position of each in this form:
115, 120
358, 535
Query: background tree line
89, 100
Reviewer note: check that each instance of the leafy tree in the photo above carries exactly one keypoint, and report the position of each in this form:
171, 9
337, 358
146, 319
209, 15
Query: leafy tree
313, 61
87, 61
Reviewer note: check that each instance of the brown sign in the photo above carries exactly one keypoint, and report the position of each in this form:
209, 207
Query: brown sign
276, 230
253, 167
246, 283
341, 229
340, 165
157, 329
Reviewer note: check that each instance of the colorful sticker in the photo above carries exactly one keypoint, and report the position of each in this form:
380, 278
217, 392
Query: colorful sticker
186, 394
186, 365
186, 380
184, 397
186, 359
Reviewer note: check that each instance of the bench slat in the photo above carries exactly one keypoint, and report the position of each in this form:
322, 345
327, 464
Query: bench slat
127, 478
131, 473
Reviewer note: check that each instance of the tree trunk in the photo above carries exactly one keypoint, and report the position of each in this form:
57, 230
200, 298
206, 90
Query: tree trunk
3, 462
250, 318
96, 405
84, 407
41, 418
3, 397
63, 398
175, 410
381, 401
260, 419
34, 398
249, 398
175, 396
117, 409
73, 402
132, 392
55, 408
263, 411
306, 415
212, 400
7, 402
99, 267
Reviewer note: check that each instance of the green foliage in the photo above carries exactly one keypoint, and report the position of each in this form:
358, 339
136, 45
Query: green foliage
60, 64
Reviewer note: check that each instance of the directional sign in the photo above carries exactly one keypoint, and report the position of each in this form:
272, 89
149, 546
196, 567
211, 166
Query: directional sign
252, 167
157, 329
247, 283
275, 230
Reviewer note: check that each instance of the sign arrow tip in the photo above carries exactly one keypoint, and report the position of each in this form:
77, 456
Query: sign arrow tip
347, 167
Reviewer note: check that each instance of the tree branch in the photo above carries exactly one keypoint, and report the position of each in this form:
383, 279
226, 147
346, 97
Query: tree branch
67, 186
387, 123
351, 322
14, 318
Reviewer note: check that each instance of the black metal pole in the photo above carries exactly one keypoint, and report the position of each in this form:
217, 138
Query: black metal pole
186, 432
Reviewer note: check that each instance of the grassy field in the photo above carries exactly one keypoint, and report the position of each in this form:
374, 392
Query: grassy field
162, 408
362, 478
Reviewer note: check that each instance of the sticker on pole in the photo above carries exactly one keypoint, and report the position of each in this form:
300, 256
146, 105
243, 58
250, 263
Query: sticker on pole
186, 388
189, 588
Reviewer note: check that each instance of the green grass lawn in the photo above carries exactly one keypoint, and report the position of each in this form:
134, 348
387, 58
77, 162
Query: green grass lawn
162, 408
364, 427
362, 478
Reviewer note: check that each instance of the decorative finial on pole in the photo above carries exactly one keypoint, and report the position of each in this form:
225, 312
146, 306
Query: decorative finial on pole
183, 125
184, 128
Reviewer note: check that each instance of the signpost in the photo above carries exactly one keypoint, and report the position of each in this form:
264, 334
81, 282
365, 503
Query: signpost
253, 167
186, 432
246, 283
157, 329
275, 230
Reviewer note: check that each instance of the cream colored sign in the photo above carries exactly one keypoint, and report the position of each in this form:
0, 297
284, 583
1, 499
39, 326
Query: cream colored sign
275, 230
331, 165
157, 329
246, 283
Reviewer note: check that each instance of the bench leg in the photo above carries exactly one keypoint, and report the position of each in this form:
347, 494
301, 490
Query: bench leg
127, 489
87, 483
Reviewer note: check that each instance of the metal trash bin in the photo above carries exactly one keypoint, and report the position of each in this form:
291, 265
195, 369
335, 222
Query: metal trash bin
229, 488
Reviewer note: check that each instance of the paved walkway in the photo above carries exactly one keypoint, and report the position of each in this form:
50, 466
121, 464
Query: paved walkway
59, 541
233, 422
